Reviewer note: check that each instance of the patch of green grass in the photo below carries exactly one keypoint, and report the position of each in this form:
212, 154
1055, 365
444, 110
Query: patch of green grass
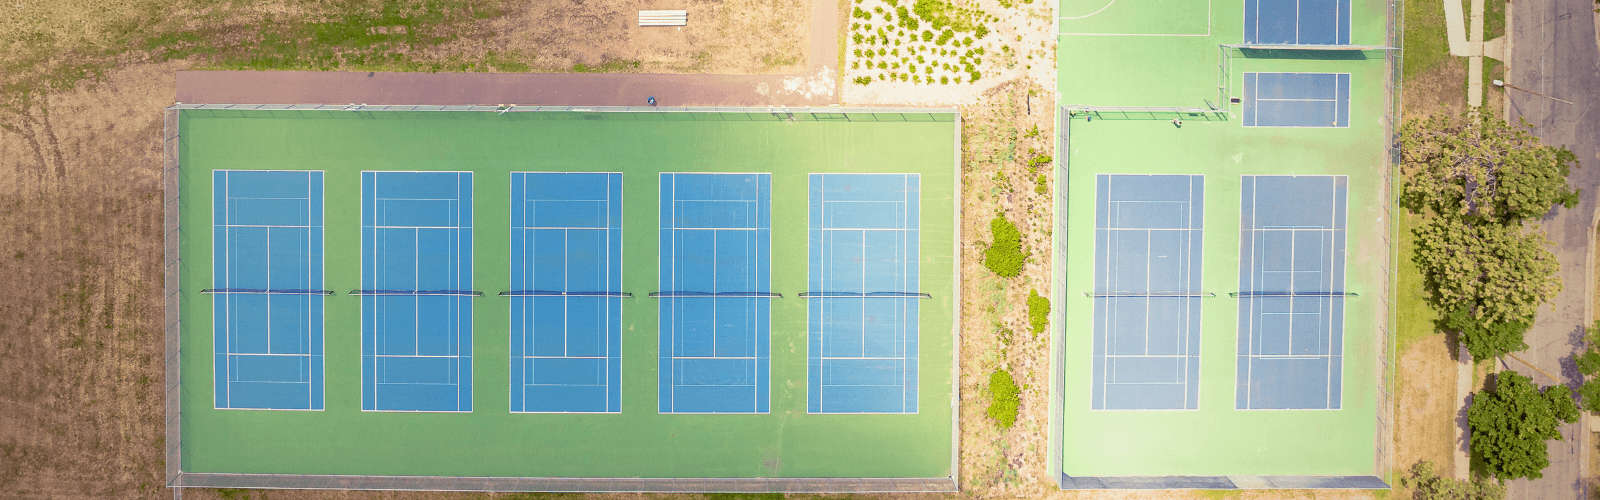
1426, 45
1416, 318
1494, 19
609, 66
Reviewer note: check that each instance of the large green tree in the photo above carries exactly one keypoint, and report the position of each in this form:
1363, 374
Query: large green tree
1480, 166
1511, 422
1475, 178
1500, 273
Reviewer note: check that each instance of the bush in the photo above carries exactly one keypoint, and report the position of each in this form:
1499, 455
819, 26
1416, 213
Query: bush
944, 80
1038, 312
975, 76
945, 37
1004, 257
1004, 402
927, 36
1428, 485
1041, 185
1036, 161
863, 80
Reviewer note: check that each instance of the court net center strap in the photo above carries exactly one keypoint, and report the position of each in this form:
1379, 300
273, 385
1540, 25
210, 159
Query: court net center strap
555, 293
683, 294
278, 291
809, 295
455, 293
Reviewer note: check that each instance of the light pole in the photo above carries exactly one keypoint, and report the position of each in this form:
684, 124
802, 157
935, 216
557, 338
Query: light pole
1499, 83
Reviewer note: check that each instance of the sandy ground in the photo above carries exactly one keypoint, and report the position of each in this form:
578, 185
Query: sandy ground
1026, 29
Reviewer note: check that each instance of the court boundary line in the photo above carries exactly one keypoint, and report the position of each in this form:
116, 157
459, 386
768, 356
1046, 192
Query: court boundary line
621, 262
671, 384
323, 358
362, 322
1198, 380
1345, 277
1210, 18
918, 287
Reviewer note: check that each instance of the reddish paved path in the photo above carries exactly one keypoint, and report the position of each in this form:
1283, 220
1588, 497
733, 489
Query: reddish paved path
544, 89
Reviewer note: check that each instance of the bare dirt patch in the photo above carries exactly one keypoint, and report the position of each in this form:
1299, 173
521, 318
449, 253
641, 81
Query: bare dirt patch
1426, 404
81, 315
1439, 90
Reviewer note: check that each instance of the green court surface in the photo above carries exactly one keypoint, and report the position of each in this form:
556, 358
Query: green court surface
490, 440
1214, 438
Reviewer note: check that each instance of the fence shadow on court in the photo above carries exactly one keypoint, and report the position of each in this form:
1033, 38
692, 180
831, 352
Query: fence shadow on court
1319, 55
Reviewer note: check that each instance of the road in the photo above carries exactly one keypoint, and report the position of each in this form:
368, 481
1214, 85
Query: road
1554, 52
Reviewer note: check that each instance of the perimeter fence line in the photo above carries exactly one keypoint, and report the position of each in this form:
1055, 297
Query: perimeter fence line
706, 113
178, 479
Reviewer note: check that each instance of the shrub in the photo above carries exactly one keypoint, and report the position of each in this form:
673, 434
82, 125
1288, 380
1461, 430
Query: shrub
1038, 312
1003, 406
944, 37
863, 80
1036, 161
1428, 485
1004, 257
975, 76
944, 80
860, 14
927, 36
1041, 185
982, 31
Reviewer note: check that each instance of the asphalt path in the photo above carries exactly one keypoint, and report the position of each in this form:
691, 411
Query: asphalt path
527, 89
1554, 53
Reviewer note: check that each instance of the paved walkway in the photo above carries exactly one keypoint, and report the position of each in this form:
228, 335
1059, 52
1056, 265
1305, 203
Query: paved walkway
544, 89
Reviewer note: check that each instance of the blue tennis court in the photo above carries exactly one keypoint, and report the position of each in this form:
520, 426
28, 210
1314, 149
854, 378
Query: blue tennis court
566, 300
1298, 22
416, 278
1296, 99
268, 299
1148, 241
1291, 298
862, 307
716, 234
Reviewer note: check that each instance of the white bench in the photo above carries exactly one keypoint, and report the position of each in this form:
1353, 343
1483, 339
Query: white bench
663, 18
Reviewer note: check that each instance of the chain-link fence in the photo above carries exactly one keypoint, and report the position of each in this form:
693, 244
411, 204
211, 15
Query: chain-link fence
171, 205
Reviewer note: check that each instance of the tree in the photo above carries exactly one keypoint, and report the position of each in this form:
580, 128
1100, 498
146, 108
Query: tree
1497, 272
1478, 166
1512, 420
1485, 340
1426, 484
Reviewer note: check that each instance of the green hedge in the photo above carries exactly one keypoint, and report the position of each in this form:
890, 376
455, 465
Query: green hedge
1038, 312
1004, 256
1003, 407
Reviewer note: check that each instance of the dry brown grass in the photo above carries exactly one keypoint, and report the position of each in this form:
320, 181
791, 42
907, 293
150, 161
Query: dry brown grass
994, 141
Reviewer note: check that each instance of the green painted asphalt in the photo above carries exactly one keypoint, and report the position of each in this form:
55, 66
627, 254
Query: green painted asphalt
638, 442
1144, 68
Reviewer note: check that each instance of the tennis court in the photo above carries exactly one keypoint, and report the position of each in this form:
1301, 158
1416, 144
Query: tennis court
267, 292
1296, 99
716, 292
862, 308
529, 296
566, 298
416, 295
1299, 22
1148, 246
1292, 292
